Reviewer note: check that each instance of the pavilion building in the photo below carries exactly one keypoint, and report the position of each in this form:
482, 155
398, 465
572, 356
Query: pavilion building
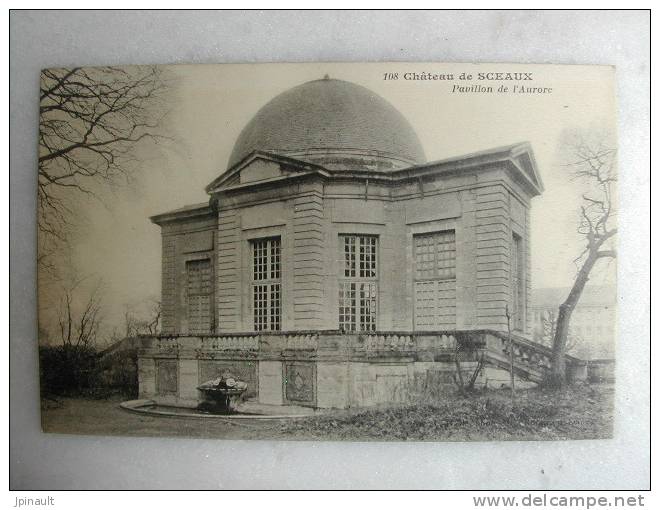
333, 266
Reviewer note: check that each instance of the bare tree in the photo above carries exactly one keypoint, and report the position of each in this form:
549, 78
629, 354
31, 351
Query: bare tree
79, 326
91, 122
593, 165
547, 333
467, 350
149, 325
153, 326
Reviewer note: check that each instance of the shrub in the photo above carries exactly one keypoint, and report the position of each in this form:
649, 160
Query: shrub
66, 370
83, 371
118, 372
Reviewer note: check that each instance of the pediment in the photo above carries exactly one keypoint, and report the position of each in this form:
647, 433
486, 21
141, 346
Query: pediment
523, 156
261, 167
519, 157
525, 163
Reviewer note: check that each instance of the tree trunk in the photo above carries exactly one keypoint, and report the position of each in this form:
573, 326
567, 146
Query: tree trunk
459, 373
557, 376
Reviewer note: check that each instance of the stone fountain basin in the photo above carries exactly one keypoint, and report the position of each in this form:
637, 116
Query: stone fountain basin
249, 411
221, 395
227, 392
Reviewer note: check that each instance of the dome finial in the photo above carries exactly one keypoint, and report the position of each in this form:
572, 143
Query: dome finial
326, 77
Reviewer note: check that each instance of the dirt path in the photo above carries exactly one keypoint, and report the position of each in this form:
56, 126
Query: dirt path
102, 417
577, 413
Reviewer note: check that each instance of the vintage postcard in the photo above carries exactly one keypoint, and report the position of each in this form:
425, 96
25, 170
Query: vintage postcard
364, 251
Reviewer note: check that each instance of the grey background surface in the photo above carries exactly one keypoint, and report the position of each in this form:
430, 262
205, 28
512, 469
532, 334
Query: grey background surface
46, 39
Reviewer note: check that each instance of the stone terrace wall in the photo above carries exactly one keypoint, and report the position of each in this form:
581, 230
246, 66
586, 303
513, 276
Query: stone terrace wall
331, 369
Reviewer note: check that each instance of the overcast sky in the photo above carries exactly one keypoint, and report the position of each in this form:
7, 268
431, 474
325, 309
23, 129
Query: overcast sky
211, 104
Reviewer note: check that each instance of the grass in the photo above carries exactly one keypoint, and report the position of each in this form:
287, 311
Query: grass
584, 412
581, 412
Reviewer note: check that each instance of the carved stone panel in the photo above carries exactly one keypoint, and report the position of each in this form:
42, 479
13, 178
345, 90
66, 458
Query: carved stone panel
300, 382
167, 377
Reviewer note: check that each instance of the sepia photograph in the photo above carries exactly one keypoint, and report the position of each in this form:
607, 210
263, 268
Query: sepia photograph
328, 251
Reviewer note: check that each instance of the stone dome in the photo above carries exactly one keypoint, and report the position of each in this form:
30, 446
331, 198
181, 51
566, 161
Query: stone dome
334, 123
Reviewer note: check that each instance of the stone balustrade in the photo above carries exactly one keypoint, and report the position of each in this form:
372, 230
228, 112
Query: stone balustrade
301, 342
167, 344
230, 343
389, 342
530, 358
531, 355
236, 342
438, 341
404, 342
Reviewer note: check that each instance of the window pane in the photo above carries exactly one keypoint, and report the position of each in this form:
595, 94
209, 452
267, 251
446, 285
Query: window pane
367, 257
260, 253
347, 307
260, 307
367, 306
274, 258
274, 308
349, 256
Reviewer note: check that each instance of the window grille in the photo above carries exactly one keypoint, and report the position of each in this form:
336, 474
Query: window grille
435, 280
266, 286
358, 285
199, 295
435, 256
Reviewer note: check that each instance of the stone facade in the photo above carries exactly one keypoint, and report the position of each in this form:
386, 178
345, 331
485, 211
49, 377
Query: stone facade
295, 264
309, 213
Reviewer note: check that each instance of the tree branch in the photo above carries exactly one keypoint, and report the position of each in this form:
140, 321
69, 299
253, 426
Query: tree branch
92, 122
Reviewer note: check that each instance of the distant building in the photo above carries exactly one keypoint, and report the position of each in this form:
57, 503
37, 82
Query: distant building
593, 323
